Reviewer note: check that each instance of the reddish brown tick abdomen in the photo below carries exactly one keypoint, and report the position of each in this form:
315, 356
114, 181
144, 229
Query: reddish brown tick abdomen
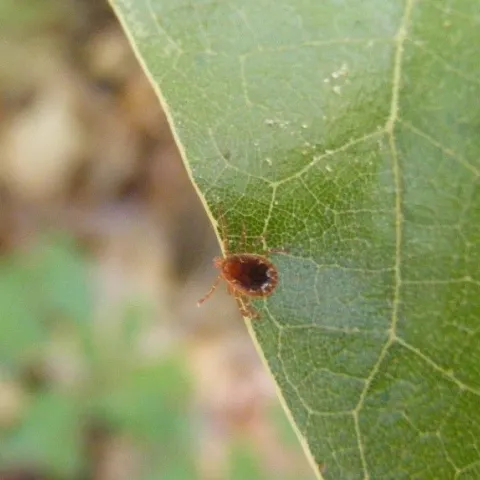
248, 274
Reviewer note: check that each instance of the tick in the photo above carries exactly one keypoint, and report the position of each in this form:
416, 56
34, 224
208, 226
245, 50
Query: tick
247, 275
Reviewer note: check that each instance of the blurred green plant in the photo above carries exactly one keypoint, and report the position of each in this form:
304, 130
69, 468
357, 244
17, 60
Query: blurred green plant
31, 16
46, 297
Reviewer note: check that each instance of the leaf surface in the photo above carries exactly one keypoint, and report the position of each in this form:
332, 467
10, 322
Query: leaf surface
347, 132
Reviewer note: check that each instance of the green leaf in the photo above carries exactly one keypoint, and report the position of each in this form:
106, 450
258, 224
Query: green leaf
51, 280
145, 403
244, 464
49, 437
21, 331
347, 132
62, 278
31, 16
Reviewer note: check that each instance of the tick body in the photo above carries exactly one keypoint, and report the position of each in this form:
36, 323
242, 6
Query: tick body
246, 275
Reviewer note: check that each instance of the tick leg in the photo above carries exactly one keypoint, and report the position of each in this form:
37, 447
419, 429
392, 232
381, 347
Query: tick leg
277, 250
210, 292
260, 241
268, 251
231, 290
244, 238
223, 232
246, 309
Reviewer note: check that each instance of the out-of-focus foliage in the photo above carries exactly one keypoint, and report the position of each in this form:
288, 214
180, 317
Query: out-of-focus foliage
32, 15
45, 296
46, 299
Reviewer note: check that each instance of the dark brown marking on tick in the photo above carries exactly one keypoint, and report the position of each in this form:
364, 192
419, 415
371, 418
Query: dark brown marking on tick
247, 275
254, 275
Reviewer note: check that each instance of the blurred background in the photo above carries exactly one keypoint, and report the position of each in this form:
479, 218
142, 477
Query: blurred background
108, 370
